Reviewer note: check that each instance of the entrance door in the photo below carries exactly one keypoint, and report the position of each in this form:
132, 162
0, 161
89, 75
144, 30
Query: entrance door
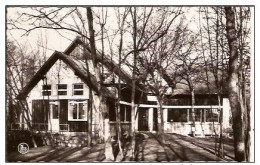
54, 117
143, 119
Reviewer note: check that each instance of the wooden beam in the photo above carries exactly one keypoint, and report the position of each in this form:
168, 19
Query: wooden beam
86, 77
174, 106
113, 67
72, 46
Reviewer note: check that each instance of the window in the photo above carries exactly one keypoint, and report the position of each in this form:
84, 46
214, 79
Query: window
46, 90
199, 115
77, 111
212, 115
177, 115
78, 89
54, 108
125, 113
62, 89
205, 115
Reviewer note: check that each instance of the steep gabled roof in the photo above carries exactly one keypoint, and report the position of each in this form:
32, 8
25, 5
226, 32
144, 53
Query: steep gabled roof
107, 62
73, 45
81, 72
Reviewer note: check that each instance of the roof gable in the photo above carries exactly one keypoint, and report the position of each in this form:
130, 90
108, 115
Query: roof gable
81, 72
107, 62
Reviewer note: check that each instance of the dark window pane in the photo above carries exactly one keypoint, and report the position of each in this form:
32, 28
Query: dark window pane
74, 112
112, 111
46, 87
62, 92
211, 115
198, 115
128, 113
78, 92
55, 112
46, 93
81, 111
177, 115
64, 127
203, 114
122, 112
78, 86
62, 86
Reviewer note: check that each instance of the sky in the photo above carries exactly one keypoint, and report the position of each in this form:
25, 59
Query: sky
54, 40
57, 42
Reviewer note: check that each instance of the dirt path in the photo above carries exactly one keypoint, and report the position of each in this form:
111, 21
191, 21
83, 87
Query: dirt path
177, 148
149, 149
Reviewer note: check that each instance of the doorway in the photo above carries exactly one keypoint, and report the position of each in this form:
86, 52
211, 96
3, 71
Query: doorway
143, 119
54, 117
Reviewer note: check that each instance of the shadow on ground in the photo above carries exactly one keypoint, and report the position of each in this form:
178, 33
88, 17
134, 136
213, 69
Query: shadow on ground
60, 154
149, 148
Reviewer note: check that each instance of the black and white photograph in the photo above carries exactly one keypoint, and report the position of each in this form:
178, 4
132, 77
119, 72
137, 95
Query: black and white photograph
130, 83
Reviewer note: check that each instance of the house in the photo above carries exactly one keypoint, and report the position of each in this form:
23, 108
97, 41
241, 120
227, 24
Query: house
59, 98
177, 114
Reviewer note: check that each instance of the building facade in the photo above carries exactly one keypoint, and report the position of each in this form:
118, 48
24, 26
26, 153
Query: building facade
59, 101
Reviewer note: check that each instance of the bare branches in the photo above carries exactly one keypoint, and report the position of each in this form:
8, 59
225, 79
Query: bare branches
42, 18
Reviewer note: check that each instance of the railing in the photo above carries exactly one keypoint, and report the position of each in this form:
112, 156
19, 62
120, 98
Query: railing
24, 126
174, 106
19, 126
38, 126
62, 126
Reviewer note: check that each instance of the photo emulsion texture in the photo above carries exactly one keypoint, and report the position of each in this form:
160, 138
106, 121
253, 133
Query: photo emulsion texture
129, 84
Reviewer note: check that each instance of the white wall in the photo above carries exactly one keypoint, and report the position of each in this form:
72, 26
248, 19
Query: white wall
202, 128
65, 76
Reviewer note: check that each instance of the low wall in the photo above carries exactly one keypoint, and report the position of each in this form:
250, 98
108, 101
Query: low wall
184, 128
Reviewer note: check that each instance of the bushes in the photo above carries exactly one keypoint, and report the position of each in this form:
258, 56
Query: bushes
15, 137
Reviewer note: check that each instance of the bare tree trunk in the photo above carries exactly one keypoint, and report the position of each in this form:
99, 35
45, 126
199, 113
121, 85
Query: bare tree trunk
133, 82
120, 154
102, 110
90, 117
242, 80
90, 101
133, 118
160, 95
119, 132
160, 120
107, 137
250, 135
237, 114
193, 112
221, 145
